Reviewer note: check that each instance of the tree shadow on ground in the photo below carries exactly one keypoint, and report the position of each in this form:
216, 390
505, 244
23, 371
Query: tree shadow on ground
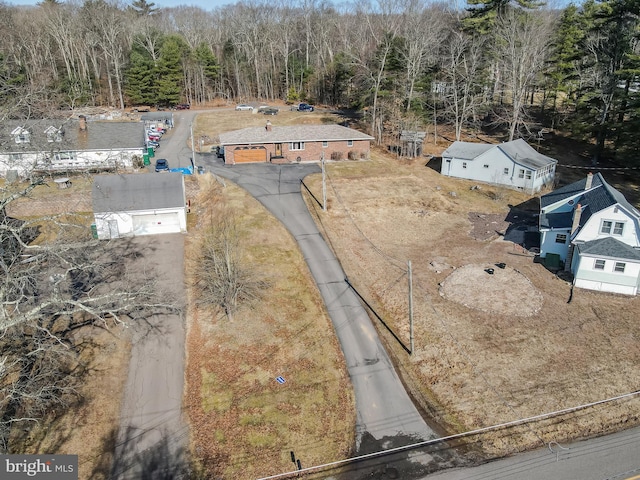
163, 460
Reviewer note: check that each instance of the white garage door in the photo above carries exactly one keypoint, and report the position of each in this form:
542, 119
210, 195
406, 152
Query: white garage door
154, 224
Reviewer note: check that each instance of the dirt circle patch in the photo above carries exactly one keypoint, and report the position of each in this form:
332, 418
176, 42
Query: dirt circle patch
492, 289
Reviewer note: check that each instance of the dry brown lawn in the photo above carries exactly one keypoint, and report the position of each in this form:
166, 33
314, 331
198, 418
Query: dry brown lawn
489, 348
243, 422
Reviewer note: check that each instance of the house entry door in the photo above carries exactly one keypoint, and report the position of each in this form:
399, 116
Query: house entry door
113, 229
278, 149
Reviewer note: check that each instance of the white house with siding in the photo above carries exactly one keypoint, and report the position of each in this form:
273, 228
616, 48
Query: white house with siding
49, 146
591, 229
139, 204
512, 164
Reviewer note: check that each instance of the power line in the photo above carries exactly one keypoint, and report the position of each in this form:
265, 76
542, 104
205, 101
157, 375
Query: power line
453, 437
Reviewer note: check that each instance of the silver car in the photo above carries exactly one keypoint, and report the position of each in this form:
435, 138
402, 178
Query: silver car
244, 106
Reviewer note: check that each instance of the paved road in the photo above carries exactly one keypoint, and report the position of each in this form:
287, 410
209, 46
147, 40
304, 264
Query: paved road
612, 457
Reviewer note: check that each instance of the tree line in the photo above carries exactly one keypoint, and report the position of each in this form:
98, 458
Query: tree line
517, 67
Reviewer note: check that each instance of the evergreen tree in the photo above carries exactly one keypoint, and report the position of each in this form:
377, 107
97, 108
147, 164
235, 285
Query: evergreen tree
169, 80
483, 13
140, 76
142, 8
567, 56
608, 95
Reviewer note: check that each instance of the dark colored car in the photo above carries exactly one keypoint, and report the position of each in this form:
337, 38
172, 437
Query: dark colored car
270, 111
305, 107
183, 106
220, 151
162, 165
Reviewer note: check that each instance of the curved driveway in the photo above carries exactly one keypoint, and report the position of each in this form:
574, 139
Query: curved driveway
384, 410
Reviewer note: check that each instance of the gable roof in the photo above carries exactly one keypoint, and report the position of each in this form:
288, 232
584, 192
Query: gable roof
609, 247
466, 150
99, 135
601, 195
298, 133
517, 150
524, 154
143, 191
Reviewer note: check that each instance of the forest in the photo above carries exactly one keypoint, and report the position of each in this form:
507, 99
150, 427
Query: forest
514, 68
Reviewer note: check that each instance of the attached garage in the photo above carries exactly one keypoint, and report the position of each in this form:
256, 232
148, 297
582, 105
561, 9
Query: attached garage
250, 154
139, 204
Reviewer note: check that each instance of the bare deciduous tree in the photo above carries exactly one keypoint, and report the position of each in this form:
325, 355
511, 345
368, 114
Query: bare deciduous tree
49, 291
521, 47
220, 276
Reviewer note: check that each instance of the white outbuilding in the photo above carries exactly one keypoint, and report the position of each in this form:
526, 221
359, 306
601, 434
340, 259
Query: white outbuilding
139, 204
512, 164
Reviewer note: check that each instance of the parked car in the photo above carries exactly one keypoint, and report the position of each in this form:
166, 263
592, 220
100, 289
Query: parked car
154, 136
153, 144
243, 106
183, 106
270, 111
305, 107
262, 108
162, 165
220, 151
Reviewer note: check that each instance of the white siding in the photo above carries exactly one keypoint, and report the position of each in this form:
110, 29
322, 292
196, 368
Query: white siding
591, 230
548, 244
142, 222
607, 279
25, 163
493, 166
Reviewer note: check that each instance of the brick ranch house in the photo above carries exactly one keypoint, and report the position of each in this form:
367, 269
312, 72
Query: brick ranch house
300, 143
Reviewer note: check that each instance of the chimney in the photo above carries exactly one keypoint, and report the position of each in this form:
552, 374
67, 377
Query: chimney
577, 213
587, 185
83, 123
267, 127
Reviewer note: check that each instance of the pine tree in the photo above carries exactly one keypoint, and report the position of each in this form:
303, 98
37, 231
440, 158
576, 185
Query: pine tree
169, 80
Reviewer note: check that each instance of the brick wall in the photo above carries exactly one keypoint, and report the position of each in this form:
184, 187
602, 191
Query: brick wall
337, 150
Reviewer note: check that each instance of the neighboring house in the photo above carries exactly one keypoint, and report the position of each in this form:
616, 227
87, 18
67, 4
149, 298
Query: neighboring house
595, 232
512, 164
301, 143
139, 204
73, 145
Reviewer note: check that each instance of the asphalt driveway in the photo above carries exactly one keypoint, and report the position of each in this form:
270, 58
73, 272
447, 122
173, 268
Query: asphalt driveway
386, 416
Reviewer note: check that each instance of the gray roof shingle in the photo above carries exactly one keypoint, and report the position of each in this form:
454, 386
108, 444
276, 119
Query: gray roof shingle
609, 247
99, 135
517, 150
298, 133
466, 150
601, 195
143, 191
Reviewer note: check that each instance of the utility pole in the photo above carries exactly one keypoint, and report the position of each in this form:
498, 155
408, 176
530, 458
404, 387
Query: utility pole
324, 185
410, 275
193, 153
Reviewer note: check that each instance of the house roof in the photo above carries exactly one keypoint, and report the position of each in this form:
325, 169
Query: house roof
517, 150
601, 195
297, 133
466, 150
556, 220
609, 247
157, 116
524, 154
143, 191
99, 135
